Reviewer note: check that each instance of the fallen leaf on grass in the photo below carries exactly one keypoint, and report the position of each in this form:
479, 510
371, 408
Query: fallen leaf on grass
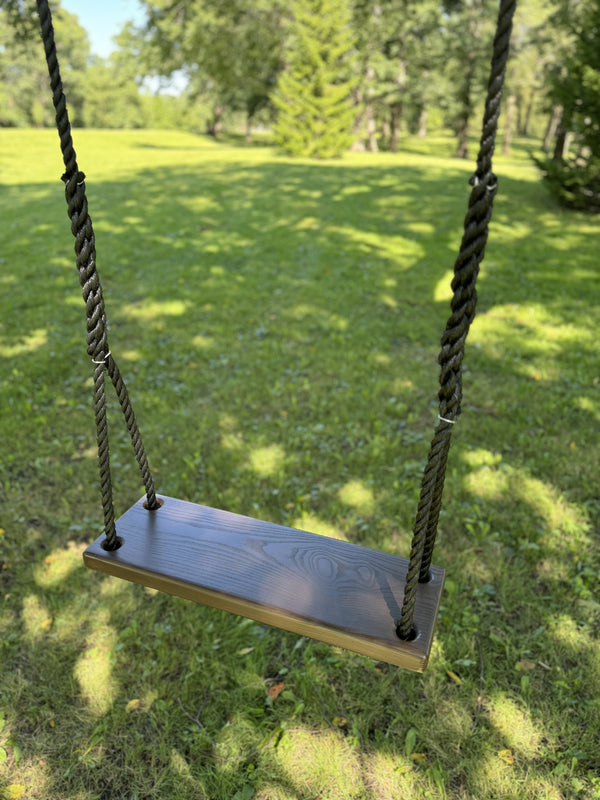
46, 624
418, 757
524, 666
506, 756
454, 677
276, 690
133, 705
245, 651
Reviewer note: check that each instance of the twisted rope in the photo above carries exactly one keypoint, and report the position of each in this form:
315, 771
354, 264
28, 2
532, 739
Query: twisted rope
464, 300
85, 252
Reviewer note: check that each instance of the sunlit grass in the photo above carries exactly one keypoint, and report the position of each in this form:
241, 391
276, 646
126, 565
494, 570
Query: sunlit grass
278, 325
267, 461
94, 672
358, 496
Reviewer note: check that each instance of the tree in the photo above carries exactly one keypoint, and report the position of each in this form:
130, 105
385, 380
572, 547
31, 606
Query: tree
469, 33
314, 93
24, 94
411, 63
575, 179
532, 50
112, 97
22, 17
399, 53
231, 50
370, 35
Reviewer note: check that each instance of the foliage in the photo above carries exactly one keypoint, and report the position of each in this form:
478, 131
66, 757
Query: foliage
21, 16
575, 183
24, 94
231, 50
576, 83
112, 98
397, 68
535, 46
313, 97
470, 26
575, 179
278, 325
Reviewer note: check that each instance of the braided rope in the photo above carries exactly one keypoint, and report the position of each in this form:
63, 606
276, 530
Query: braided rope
136, 440
85, 251
464, 300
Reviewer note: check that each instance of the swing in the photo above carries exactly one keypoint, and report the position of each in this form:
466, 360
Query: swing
377, 604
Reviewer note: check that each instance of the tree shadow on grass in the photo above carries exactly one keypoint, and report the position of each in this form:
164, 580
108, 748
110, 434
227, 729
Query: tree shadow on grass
297, 307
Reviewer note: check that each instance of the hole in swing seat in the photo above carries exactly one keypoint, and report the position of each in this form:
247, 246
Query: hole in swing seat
159, 504
341, 593
414, 634
119, 543
427, 577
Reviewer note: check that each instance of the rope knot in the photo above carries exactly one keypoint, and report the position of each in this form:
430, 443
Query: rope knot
490, 179
78, 177
492, 184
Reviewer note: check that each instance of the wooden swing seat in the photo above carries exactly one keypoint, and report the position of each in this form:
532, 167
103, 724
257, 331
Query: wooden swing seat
340, 593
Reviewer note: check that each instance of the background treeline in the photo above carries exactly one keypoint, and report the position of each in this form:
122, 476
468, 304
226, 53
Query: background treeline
326, 75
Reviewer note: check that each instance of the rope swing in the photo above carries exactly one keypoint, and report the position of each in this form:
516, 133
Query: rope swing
377, 604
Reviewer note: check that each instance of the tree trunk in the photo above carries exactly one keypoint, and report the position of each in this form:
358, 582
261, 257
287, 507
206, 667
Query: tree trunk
474, 12
466, 108
462, 151
395, 118
511, 105
214, 126
561, 145
524, 128
248, 127
552, 127
422, 132
372, 145
397, 108
385, 132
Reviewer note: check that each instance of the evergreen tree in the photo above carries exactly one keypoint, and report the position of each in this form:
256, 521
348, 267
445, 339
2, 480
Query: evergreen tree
314, 93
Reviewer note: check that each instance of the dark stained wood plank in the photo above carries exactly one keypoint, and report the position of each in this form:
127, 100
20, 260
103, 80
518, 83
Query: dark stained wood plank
340, 593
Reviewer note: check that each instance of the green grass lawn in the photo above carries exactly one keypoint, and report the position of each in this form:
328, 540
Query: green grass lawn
278, 322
